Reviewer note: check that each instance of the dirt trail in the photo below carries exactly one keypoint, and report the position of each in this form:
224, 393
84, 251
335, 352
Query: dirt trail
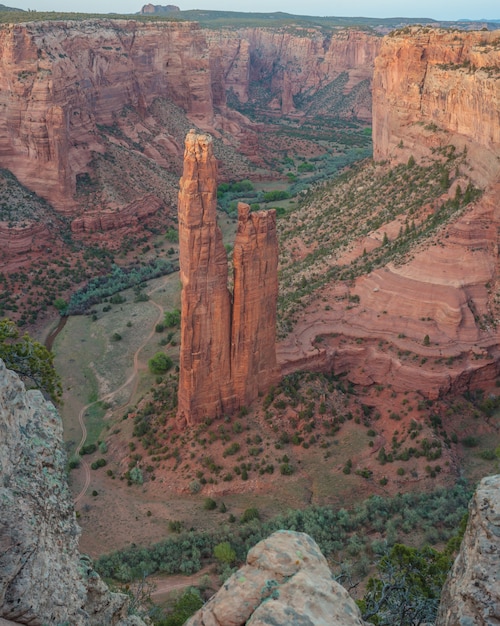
109, 396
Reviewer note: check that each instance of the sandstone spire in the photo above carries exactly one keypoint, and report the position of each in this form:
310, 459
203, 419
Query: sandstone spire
253, 332
205, 371
228, 351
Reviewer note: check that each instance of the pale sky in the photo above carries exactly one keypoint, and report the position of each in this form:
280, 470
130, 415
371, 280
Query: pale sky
436, 9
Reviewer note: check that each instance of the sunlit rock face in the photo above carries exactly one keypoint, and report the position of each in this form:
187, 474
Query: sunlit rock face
228, 341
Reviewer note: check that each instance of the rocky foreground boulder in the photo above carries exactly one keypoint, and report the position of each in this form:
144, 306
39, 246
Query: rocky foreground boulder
471, 595
43, 578
286, 580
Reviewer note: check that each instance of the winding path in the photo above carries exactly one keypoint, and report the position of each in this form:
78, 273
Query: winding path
109, 396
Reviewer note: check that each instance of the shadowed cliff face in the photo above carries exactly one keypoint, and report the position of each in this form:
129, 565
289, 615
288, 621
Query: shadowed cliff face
43, 578
471, 594
228, 351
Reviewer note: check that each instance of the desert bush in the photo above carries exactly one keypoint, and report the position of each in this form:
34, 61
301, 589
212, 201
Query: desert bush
224, 553
160, 363
209, 504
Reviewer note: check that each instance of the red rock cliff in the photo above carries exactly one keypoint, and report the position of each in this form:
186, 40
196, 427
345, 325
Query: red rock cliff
432, 87
60, 80
285, 65
228, 353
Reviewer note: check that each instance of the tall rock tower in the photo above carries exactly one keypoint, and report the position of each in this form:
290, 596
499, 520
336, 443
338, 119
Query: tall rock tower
253, 327
205, 368
228, 351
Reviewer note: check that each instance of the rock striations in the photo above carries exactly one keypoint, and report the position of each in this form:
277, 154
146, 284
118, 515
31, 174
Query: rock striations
253, 326
435, 92
286, 580
205, 369
471, 595
228, 352
432, 87
43, 578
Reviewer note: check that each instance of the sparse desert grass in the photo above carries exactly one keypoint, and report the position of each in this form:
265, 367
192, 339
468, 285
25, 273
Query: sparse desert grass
93, 364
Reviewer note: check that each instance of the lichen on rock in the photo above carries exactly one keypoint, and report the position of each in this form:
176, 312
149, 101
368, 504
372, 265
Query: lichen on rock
471, 594
286, 580
43, 578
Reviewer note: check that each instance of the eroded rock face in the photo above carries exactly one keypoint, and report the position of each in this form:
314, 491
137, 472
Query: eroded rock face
432, 89
205, 371
432, 84
228, 350
43, 578
253, 327
471, 595
300, 65
286, 580
59, 81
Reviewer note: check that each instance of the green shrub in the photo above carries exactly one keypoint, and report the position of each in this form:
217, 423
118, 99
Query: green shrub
286, 469
209, 504
172, 236
488, 455
184, 607
172, 318
224, 553
160, 363
250, 514
136, 476
175, 526
89, 448
232, 449
470, 441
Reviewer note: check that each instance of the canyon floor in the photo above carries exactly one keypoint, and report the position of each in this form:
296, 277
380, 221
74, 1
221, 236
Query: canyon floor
321, 435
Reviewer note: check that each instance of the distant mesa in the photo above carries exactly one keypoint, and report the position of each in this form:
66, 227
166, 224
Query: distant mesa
150, 9
4, 8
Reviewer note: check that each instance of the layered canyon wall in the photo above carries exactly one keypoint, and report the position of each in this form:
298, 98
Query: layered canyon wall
435, 93
434, 87
66, 89
61, 81
436, 97
228, 353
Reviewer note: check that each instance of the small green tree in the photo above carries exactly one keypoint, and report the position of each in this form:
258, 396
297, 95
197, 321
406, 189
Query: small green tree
159, 363
172, 318
427, 340
184, 607
224, 553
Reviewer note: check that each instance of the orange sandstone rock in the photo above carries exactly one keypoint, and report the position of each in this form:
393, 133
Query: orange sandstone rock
205, 370
228, 352
253, 336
